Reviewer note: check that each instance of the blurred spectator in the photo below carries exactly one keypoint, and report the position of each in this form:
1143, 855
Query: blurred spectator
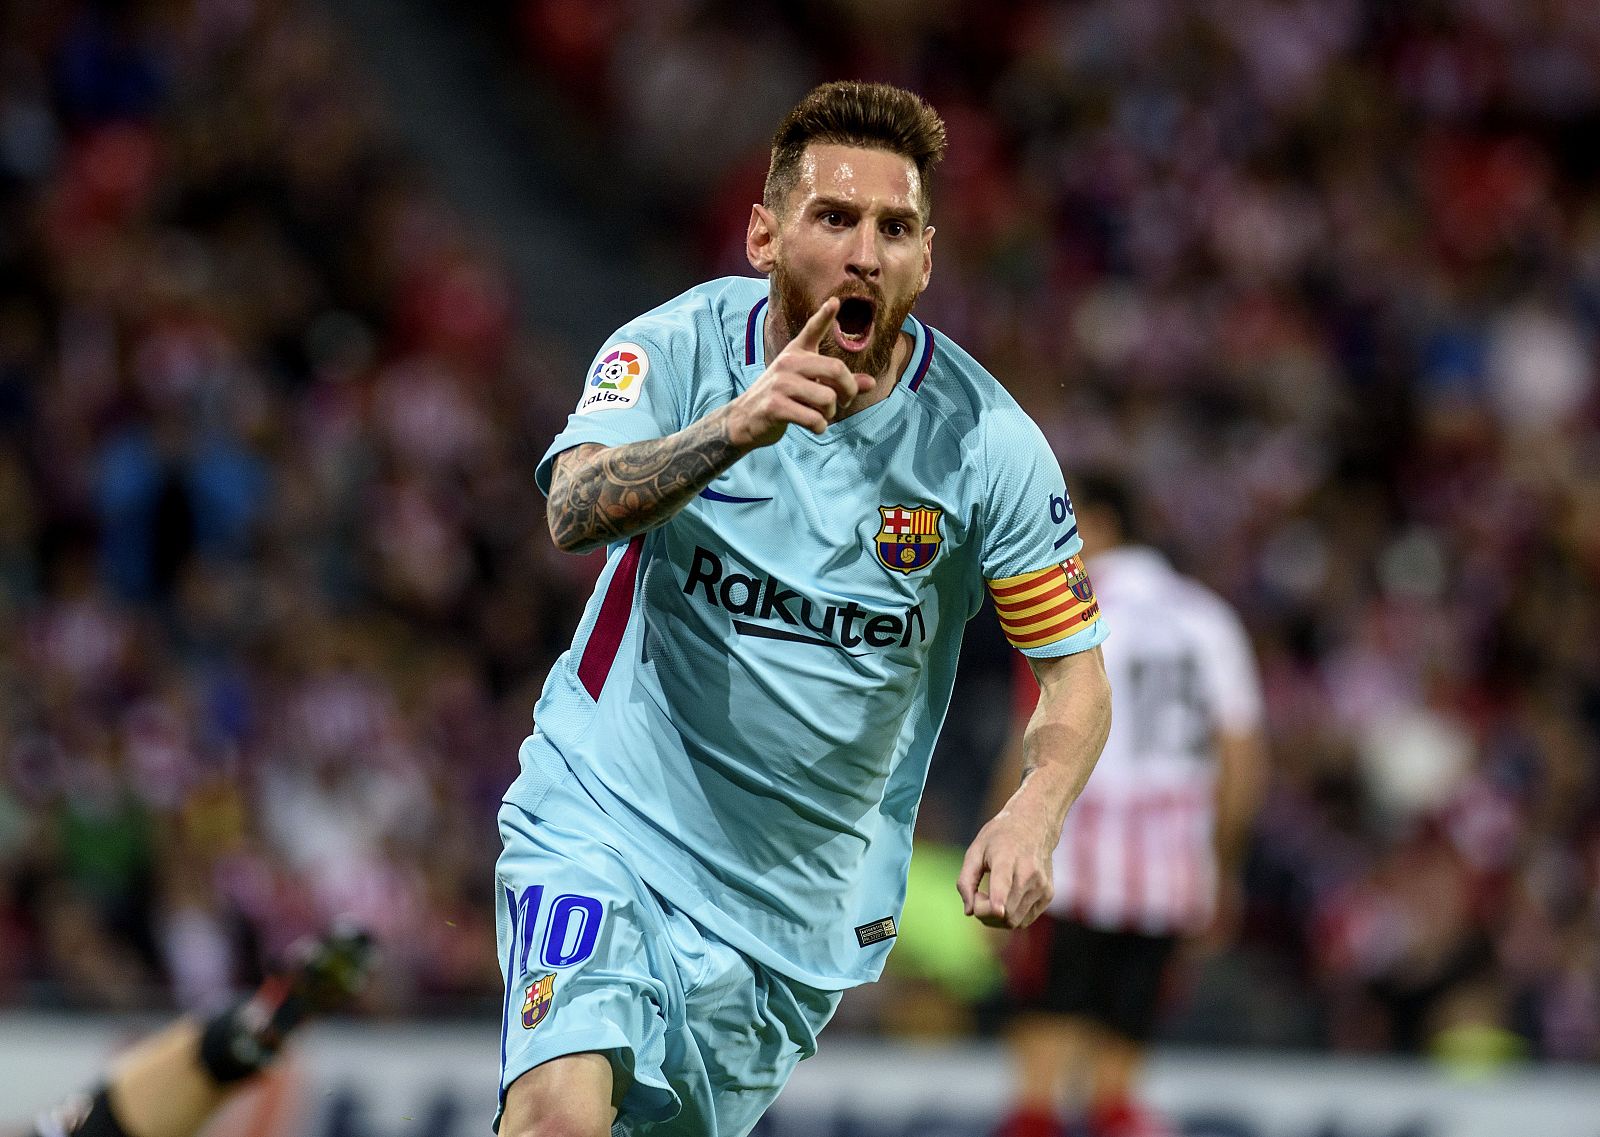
1320, 277
265, 507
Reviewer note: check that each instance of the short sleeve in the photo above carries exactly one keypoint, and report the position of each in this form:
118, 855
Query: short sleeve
632, 392
1042, 592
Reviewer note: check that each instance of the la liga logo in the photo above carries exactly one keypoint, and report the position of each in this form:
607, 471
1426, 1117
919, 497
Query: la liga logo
616, 379
618, 370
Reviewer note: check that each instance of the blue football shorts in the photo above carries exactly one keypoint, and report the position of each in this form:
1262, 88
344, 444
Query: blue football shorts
703, 1036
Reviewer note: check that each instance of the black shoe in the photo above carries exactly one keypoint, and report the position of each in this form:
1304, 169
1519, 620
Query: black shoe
326, 972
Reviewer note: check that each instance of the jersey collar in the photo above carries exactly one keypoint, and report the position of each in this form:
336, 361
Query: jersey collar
754, 347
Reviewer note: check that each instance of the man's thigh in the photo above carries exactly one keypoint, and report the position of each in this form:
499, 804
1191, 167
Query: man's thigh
573, 1094
586, 964
746, 1029
699, 1038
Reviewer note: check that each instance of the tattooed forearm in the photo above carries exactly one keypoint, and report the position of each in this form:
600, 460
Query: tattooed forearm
603, 494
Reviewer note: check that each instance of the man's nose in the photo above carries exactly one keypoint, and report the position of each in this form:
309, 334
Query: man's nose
864, 259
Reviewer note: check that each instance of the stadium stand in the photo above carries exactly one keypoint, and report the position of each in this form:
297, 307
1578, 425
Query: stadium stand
1321, 279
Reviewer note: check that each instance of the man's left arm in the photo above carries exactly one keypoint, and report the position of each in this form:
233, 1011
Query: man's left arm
1060, 746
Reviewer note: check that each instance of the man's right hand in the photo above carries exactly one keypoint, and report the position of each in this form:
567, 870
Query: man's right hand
801, 386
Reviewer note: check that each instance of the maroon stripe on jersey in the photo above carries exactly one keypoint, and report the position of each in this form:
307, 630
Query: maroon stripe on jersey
601, 650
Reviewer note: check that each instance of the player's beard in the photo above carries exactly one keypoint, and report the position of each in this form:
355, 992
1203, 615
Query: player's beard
796, 306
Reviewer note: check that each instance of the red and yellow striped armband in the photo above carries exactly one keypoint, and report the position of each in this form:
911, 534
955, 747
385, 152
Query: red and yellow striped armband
1040, 608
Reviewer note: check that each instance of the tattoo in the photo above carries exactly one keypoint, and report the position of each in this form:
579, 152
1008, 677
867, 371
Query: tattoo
600, 494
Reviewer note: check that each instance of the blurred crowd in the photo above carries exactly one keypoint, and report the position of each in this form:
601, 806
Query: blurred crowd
1320, 278
272, 613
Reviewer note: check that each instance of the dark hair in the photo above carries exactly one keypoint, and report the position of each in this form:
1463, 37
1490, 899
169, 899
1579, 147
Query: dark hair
1097, 489
849, 113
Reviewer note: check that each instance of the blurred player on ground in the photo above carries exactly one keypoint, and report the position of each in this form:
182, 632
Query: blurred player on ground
172, 1083
802, 490
1157, 833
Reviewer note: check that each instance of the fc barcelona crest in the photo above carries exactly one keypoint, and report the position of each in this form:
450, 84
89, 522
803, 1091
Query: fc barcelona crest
1078, 580
536, 1004
908, 537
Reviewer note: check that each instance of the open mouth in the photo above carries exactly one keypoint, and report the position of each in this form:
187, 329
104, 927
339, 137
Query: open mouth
854, 322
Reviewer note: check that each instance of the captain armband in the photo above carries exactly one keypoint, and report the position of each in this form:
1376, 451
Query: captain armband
1041, 608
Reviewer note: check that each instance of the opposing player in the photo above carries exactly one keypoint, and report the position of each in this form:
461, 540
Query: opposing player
1159, 828
171, 1083
802, 490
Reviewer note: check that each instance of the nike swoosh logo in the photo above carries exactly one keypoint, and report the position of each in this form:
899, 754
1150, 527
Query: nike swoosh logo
746, 628
713, 495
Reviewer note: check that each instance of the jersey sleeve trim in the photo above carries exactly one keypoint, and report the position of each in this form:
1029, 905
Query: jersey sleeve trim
1039, 608
583, 429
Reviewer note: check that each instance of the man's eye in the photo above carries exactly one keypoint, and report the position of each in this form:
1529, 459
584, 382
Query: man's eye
833, 217
896, 229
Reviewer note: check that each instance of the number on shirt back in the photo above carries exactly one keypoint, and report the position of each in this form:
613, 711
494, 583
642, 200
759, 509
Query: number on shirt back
570, 933
1169, 713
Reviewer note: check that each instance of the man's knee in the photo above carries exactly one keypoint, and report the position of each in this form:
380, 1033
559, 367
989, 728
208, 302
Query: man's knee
570, 1096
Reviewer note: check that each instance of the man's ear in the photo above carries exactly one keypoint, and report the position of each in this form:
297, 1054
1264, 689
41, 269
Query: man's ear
927, 258
761, 239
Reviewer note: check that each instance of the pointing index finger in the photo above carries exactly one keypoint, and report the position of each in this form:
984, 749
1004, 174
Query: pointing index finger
810, 337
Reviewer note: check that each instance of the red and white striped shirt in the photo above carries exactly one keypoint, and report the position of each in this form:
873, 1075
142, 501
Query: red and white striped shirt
1136, 853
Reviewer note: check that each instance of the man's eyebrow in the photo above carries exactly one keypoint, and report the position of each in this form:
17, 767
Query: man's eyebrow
898, 213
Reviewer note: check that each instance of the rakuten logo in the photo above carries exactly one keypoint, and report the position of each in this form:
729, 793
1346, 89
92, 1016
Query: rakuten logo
768, 599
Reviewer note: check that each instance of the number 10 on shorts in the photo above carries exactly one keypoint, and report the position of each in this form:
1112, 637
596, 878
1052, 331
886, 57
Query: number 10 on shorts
570, 932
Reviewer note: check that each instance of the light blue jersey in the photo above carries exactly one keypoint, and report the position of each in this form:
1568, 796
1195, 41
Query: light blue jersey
756, 686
